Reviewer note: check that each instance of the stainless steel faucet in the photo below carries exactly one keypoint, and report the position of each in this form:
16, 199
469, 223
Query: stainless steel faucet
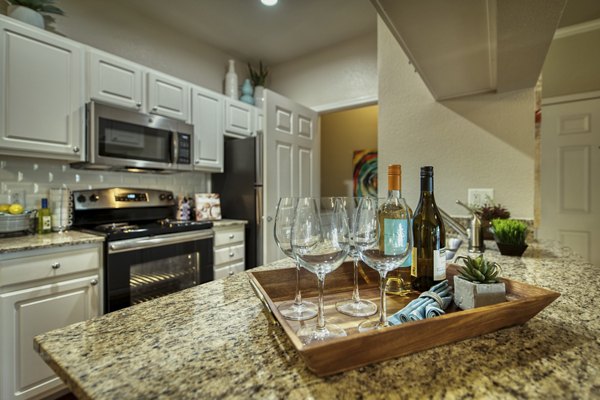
473, 234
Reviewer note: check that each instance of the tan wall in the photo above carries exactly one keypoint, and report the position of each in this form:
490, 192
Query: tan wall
342, 133
572, 65
482, 141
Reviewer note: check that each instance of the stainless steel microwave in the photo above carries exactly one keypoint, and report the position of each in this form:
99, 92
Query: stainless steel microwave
126, 140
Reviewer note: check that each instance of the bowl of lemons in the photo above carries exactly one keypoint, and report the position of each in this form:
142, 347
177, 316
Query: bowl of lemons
14, 218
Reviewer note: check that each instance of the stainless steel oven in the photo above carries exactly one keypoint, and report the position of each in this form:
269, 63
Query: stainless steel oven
147, 254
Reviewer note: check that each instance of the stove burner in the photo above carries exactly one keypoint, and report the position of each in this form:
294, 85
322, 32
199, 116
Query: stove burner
117, 227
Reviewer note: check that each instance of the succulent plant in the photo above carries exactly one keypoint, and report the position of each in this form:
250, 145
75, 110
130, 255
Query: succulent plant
490, 211
42, 6
509, 231
478, 270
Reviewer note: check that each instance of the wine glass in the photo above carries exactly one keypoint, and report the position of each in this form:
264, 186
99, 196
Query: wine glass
383, 246
320, 242
297, 309
354, 307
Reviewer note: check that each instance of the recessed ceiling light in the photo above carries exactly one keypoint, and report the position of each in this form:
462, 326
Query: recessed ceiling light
269, 2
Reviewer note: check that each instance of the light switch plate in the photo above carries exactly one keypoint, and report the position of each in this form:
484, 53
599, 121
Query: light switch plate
479, 197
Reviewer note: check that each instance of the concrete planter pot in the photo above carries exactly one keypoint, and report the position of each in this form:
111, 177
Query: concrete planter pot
471, 295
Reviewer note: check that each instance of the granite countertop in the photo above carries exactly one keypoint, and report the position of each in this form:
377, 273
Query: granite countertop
228, 222
217, 341
35, 241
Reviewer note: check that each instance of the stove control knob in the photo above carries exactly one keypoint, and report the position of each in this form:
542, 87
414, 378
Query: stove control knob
170, 197
81, 198
94, 197
162, 196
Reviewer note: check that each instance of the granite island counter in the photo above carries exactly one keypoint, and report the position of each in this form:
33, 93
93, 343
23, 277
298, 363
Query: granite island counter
217, 341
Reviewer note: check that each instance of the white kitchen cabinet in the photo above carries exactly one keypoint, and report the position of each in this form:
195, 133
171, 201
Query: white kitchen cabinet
229, 250
41, 93
207, 118
42, 290
114, 80
239, 118
259, 120
168, 96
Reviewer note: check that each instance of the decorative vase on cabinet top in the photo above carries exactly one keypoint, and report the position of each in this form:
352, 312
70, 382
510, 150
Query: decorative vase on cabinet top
231, 81
259, 96
247, 92
27, 15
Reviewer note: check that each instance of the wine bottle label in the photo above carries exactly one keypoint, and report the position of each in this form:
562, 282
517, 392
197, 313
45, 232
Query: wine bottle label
439, 264
394, 236
47, 222
413, 266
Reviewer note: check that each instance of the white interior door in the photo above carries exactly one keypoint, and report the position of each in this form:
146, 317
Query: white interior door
570, 177
291, 159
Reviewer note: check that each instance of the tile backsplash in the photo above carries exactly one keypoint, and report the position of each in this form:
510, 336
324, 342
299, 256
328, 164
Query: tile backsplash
33, 178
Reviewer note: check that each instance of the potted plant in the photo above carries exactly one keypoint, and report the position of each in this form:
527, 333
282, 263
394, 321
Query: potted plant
476, 284
30, 11
489, 212
510, 236
258, 78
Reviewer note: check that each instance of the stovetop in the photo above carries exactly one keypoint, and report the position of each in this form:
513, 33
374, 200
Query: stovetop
131, 230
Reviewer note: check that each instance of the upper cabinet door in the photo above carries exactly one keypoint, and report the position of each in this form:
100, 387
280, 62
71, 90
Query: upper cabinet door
41, 93
207, 118
114, 80
168, 96
238, 119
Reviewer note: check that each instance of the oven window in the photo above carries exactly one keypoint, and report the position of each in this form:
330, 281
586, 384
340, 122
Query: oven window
129, 141
156, 278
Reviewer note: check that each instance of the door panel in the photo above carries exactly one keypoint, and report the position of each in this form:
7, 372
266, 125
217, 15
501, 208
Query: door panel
570, 172
291, 159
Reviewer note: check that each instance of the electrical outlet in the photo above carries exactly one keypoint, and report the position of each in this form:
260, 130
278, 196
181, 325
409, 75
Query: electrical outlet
478, 197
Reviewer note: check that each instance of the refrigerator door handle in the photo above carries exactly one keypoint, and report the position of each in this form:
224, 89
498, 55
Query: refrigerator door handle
259, 158
259, 205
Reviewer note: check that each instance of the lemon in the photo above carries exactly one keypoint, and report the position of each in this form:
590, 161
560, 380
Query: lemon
15, 209
4, 207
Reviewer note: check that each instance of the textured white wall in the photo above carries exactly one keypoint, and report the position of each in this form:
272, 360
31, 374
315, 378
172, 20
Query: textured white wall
341, 73
476, 142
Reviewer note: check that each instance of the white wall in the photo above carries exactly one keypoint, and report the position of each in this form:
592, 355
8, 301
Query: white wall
476, 142
342, 73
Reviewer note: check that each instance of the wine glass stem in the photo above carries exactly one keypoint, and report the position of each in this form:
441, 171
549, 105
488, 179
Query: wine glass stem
355, 295
298, 297
321, 315
382, 305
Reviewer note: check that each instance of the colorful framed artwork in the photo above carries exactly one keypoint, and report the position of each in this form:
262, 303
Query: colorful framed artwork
364, 165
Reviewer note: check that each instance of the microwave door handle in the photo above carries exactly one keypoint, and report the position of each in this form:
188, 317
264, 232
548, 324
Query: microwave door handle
174, 147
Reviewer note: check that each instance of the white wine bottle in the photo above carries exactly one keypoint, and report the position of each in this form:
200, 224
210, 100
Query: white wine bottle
44, 218
429, 237
390, 211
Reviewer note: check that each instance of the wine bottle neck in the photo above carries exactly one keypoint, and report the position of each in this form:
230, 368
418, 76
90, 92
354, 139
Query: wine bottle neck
394, 193
427, 184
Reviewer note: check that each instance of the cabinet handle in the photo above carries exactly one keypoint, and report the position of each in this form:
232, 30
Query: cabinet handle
94, 282
269, 219
197, 162
154, 108
231, 236
231, 254
138, 105
75, 149
231, 273
56, 265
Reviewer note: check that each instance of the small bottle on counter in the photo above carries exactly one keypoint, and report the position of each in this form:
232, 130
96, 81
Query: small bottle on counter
44, 218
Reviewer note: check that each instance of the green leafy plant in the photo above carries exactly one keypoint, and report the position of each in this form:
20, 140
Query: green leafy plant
41, 6
509, 231
258, 76
478, 270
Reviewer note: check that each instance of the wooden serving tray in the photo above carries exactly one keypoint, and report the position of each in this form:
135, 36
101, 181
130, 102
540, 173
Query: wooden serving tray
357, 349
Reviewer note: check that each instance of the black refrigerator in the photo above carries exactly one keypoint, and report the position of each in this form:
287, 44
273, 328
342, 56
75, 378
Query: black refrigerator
241, 188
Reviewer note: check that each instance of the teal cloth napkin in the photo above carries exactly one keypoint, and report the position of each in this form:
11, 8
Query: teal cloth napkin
429, 304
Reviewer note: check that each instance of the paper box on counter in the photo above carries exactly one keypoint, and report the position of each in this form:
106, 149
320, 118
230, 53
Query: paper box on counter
208, 206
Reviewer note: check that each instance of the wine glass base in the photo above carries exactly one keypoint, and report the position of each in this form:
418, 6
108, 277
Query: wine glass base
297, 312
397, 287
372, 325
309, 333
360, 308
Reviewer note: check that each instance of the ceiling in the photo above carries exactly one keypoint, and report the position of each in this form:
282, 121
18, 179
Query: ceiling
247, 30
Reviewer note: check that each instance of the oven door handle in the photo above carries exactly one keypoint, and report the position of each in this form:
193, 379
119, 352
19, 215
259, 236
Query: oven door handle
156, 241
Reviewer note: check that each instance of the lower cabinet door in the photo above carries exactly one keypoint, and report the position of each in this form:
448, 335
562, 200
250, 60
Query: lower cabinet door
29, 312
